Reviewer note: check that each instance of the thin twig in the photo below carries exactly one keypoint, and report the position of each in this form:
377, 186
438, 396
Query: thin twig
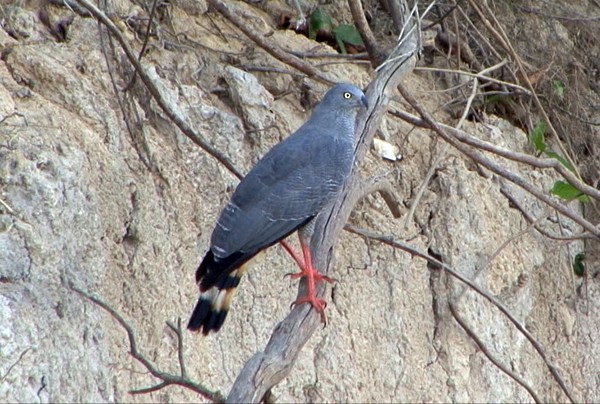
145, 42
535, 222
479, 75
179, 333
501, 36
489, 355
174, 113
168, 379
272, 50
506, 153
503, 172
534, 342
11, 367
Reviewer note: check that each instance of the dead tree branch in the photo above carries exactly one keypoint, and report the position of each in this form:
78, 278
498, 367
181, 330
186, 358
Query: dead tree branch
534, 342
489, 355
478, 157
168, 379
376, 56
272, 50
267, 368
174, 113
500, 151
504, 189
379, 184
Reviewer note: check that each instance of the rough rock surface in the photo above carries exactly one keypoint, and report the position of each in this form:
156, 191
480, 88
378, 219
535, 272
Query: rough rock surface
125, 212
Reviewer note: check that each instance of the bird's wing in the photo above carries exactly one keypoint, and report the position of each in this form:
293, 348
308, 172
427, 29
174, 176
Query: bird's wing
289, 186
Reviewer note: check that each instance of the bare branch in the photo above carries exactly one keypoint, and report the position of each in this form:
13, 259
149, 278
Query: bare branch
12, 366
501, 36
179, 332
535, 222
500, 151
503, 172
413, 251
267, 368
375, 54
272, 50
174, 113
379, 184
168, 379
489, 355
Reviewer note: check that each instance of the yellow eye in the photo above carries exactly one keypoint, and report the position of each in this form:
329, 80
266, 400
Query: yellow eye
347, 95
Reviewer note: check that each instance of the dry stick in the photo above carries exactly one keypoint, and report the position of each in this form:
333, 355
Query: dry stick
413, 251
381, 185
176, 115
168, 379
478, 157
267, 368
15, 363
145, 43
503, 38
477, 75
535, 222
479, 271
358, 15
500, 151
274, 51
490, 356
443, 152
395, 9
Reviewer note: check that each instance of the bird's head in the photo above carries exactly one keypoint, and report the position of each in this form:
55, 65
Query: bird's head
344, 99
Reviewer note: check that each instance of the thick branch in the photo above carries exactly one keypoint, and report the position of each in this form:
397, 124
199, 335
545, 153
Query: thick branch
375, 54
379, 184
267, 368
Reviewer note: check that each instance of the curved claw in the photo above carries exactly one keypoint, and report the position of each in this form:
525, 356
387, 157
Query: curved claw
318, 304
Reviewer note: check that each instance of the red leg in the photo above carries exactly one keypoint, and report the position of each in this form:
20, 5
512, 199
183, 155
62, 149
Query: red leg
291, 251
312, 278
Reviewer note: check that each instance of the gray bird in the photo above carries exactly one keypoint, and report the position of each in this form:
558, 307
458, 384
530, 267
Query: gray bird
282, 193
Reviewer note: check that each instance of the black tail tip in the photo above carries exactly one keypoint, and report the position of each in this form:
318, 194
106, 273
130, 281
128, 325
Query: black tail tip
204, 318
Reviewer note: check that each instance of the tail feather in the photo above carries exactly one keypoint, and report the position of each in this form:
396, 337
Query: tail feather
213, 271
213, 305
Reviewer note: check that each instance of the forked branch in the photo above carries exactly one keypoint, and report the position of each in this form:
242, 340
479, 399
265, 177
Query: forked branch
268, 367
167, 379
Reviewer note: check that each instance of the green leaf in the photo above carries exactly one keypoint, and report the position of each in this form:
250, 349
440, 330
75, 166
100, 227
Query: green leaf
319, 20
578, 265
561, 159
558, 87
348, 33
537, 137
567, 191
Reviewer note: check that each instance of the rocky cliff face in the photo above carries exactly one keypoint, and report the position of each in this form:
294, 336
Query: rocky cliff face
100, 190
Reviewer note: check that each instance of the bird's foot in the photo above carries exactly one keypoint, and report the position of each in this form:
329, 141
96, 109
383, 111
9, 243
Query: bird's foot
312, 279
318, 304
314, 274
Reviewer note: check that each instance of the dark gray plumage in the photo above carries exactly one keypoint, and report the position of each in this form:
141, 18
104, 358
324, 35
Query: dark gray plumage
283, 192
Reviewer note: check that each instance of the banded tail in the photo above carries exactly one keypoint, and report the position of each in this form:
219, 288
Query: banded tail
217, 280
